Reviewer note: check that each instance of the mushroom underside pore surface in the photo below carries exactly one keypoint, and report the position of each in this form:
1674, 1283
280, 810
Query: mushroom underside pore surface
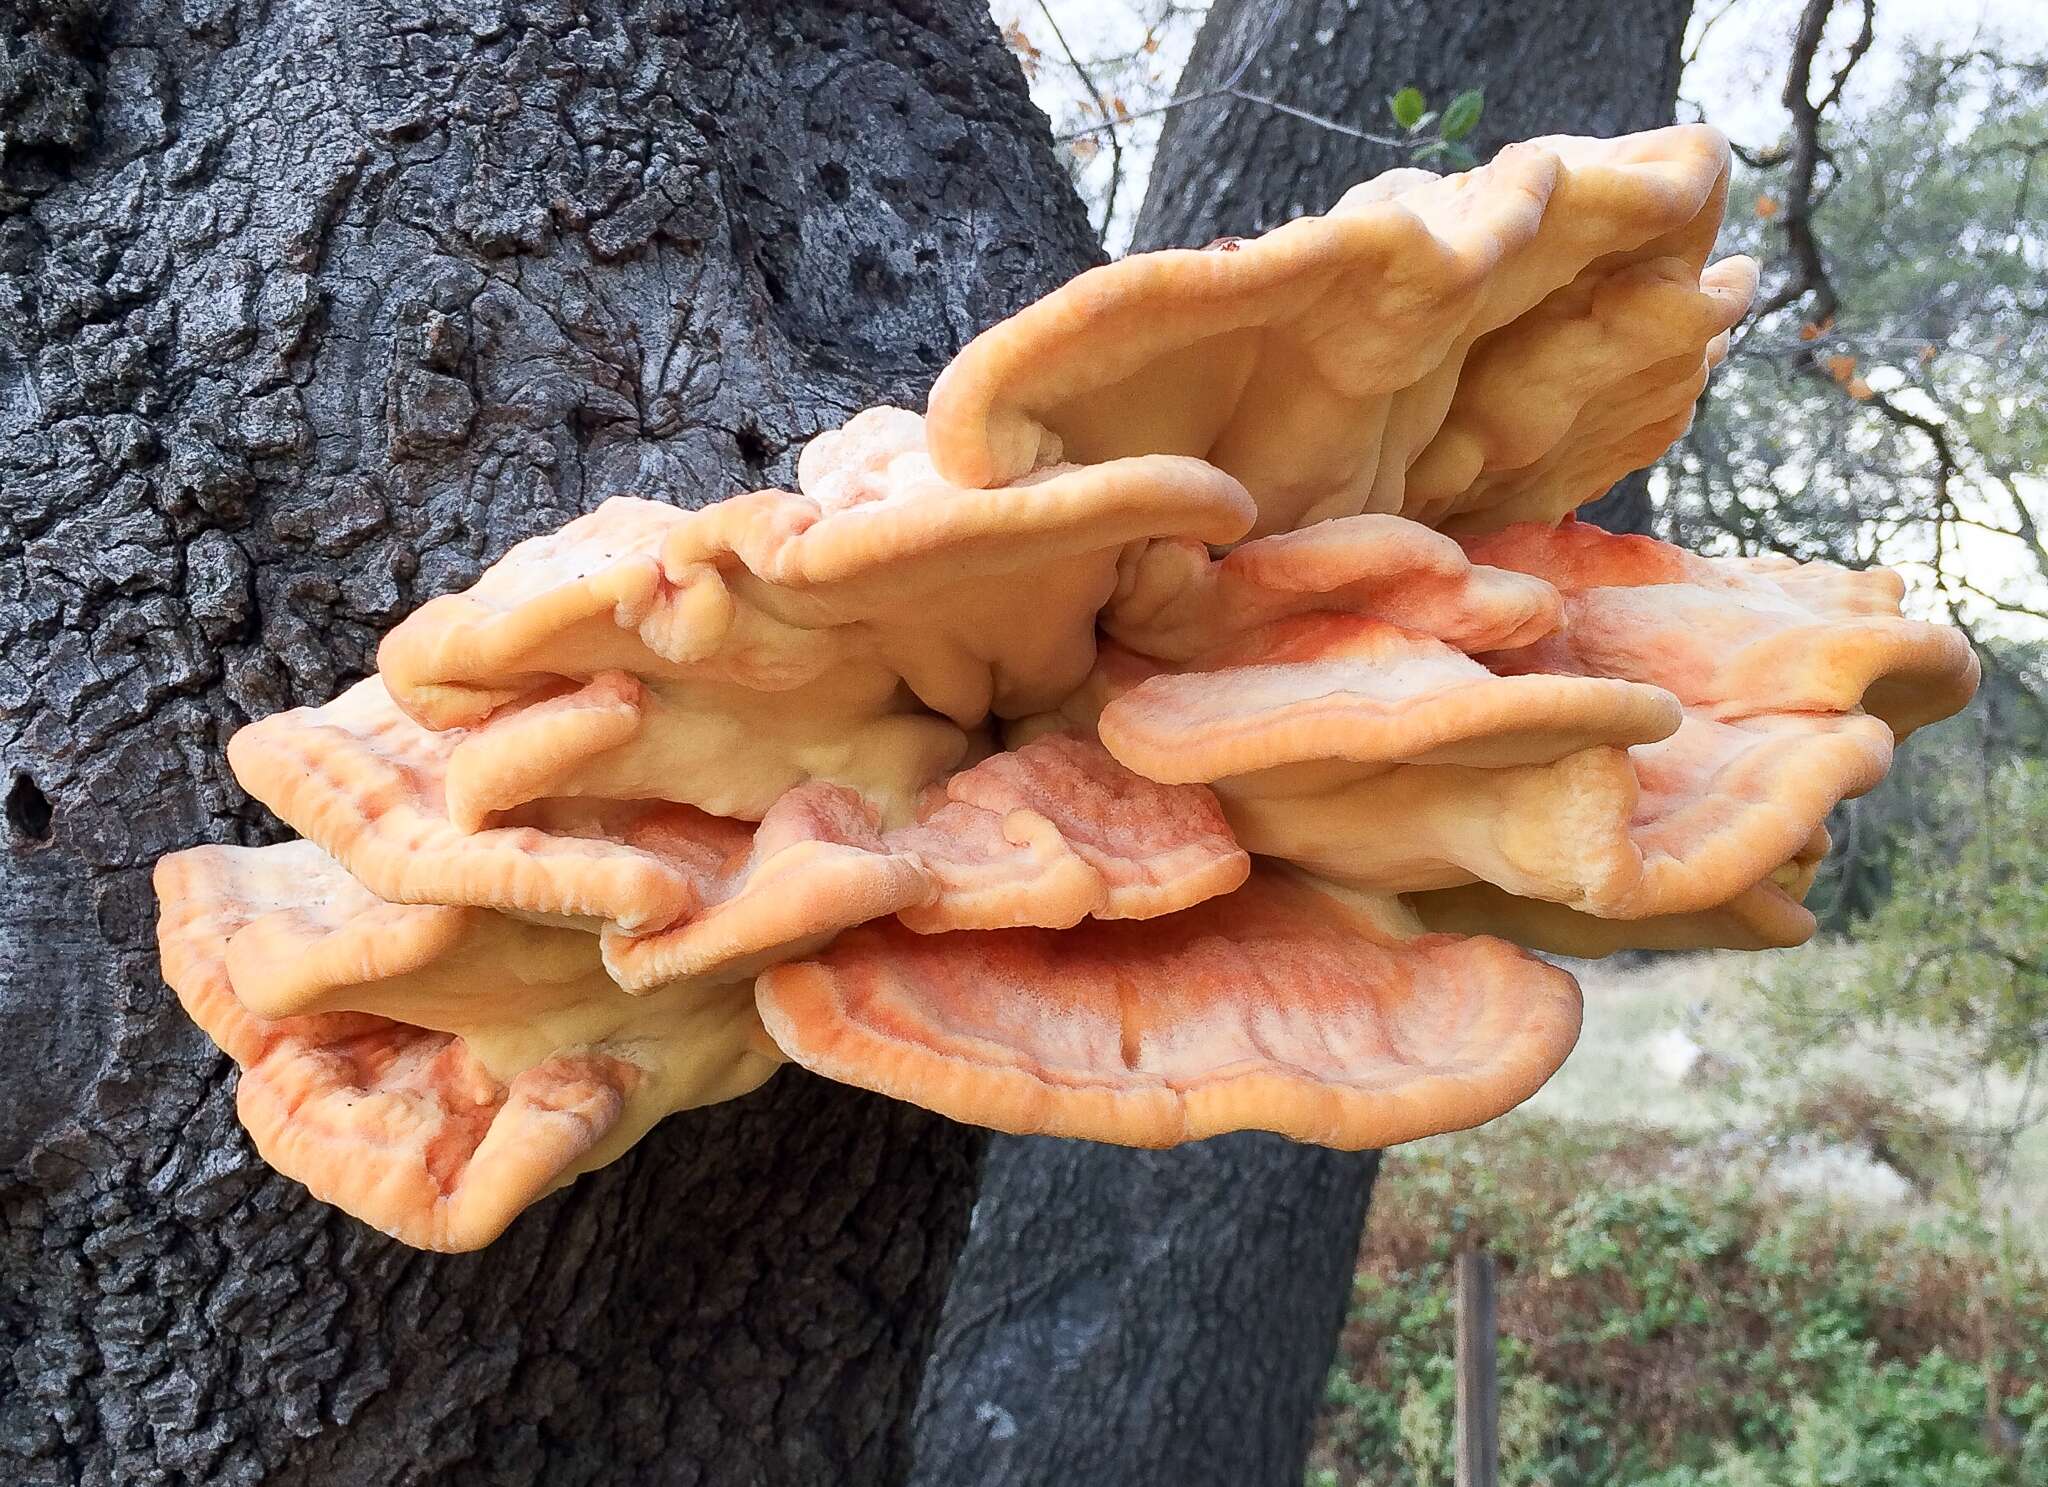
1191, 724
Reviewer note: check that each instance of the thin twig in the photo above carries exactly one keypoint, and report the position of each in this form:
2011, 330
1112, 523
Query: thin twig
1217, 90
1116, 144
1317, 119
1230, 87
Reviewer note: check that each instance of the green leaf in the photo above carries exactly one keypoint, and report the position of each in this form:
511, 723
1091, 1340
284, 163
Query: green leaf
1462, 114
1407, 107
1459, 158
1428, 151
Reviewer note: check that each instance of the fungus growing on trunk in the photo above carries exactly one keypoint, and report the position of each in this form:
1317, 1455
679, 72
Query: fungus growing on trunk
1322, 363
995, 770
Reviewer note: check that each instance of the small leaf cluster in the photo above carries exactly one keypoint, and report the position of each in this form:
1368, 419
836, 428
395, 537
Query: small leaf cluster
1458, 118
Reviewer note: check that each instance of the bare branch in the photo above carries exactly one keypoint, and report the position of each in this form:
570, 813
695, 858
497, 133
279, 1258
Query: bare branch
1230, 87
1227, 86
1317, 119
1116, 144
1857, 49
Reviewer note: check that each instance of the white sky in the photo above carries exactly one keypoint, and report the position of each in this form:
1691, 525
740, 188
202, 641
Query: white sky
1737, 51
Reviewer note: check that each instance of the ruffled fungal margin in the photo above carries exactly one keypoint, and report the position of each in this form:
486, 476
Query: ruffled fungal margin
1735, 636
1120, 752
1175, 602
881, 590
1322, 363
431, 1070
1046, 835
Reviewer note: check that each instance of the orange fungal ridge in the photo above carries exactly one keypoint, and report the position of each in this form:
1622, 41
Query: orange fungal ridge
1189, 724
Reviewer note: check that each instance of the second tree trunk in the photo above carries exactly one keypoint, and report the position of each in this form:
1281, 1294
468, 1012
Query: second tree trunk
1141, 1317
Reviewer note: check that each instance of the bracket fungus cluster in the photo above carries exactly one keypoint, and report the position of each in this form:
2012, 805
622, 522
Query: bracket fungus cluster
1178, 729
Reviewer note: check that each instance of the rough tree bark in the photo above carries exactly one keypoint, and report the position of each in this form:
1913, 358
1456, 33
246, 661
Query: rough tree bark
1169, 1316
306, 312
1142, 1316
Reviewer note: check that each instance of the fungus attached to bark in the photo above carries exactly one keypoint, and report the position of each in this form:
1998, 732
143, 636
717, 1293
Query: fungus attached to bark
995, 769
433, 1070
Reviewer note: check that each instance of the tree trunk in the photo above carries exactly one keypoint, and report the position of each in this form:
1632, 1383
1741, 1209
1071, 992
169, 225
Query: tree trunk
1546, 67
1142, 1316
306, 312
1170, 1316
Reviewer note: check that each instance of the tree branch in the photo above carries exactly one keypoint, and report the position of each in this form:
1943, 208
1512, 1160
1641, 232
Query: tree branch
1116, 144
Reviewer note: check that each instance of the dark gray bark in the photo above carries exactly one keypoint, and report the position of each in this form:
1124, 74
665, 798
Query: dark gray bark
1546, 66
306, 312
1170, 1316
1142, 1316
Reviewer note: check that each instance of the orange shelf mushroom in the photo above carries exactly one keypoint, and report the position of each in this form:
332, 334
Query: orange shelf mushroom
884, 587
1181, 728
1321, 363
1662, 744
1280, 1007
1048, 835
1736, 635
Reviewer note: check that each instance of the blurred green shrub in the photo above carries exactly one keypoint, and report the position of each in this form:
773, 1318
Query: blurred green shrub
1664, 1328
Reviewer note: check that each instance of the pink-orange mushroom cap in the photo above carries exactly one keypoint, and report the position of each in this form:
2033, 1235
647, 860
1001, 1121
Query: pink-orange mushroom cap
1175, 602
1276, 1008
1119, 751
1326, 687
516, 1063
1048, 834
1678, 808
1735, 635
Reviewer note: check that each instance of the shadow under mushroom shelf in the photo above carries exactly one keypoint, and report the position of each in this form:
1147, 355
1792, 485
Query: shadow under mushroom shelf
1176, 730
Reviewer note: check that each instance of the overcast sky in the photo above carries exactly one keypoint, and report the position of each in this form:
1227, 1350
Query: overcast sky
1739, 67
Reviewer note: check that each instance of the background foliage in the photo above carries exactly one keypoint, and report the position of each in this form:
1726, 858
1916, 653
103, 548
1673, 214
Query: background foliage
1662, 1330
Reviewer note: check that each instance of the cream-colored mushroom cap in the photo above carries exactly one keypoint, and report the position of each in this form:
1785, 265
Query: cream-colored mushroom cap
880, 576
1281, 358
